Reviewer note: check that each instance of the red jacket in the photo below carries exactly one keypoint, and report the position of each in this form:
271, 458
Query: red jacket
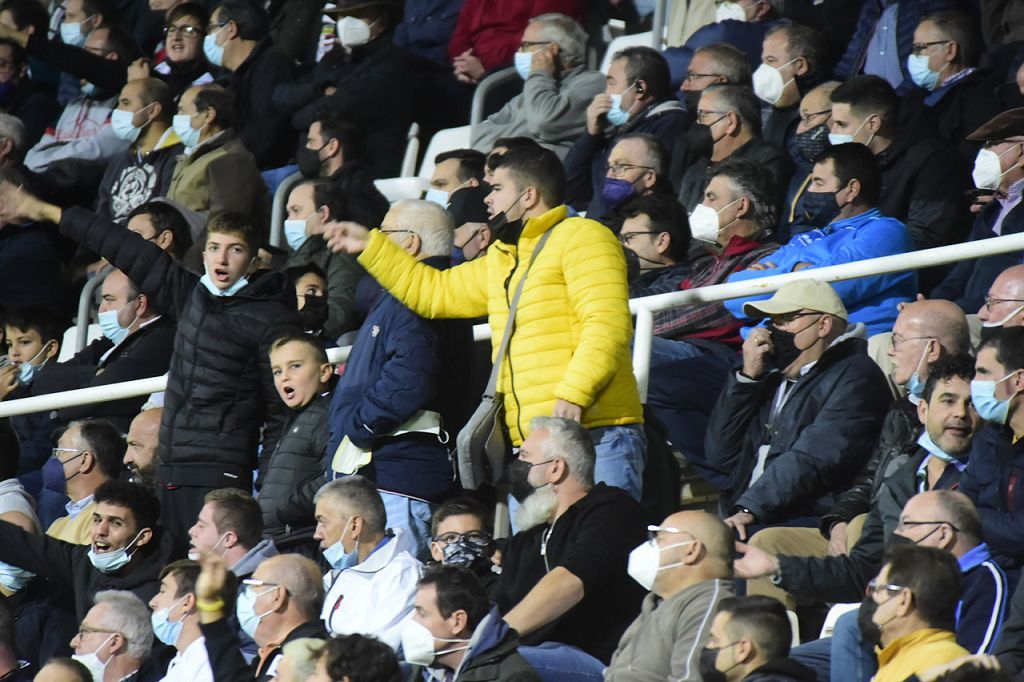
493, 29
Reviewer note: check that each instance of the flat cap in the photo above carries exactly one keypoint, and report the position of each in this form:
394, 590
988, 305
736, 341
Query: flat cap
1003, 126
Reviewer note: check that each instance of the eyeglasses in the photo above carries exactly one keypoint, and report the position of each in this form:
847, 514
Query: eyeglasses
652, 531
691, 76
186, 31
781, 320
617, 169
989, 301
383, 231
874, 587
897, 339
919, 48
84, 630
55, 452
625, 237
251, 583
473, 537
527, 44
219, 26
806, 118
704, 113
912, 524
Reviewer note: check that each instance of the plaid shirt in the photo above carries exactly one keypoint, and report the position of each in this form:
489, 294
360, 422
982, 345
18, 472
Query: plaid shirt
712, 321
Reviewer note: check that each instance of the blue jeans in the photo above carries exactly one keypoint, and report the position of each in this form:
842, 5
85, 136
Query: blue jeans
686, 379
412, 516
843, 657
557, 662
621, 455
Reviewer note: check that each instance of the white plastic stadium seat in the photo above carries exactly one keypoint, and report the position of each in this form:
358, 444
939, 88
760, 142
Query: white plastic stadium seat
412, 150
443, 141
633, 40
396, 189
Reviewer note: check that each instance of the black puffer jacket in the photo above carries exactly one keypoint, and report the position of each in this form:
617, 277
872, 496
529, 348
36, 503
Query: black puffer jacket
896, 444
219, 391
298, 459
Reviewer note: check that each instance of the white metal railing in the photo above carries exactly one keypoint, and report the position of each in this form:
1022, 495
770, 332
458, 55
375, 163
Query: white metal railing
643, 308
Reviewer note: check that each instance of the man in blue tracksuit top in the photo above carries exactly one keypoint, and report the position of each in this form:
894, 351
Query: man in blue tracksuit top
847, 181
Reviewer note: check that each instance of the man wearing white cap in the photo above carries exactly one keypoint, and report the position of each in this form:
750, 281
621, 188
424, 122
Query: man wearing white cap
796, 423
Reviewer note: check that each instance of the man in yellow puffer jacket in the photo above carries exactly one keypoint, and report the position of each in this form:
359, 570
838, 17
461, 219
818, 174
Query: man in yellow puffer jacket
569, 355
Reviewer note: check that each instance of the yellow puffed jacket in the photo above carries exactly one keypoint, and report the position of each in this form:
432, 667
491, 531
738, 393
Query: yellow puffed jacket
573, 327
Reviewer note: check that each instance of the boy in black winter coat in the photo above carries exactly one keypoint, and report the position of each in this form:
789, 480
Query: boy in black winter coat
220, 402
302, 377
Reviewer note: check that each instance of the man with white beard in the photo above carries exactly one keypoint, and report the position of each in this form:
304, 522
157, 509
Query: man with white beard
564, 585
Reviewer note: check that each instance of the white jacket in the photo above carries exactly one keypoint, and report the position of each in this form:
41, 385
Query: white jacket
83, 132
376, 596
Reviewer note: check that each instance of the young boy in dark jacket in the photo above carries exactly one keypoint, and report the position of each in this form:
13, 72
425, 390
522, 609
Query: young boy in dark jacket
302, 376
220, 396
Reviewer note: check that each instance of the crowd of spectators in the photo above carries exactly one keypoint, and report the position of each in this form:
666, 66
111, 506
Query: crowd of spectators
276, 514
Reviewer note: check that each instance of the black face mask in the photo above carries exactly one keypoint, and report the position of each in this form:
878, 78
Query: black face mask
309, 160
988, 332
699, 142
869, 631
817, 209
518, 473
812, 142
784, 348
632, 264
313, 313
706, 665
504, 229
691, 99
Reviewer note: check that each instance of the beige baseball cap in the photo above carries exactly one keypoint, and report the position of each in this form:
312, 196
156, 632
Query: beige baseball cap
804, 294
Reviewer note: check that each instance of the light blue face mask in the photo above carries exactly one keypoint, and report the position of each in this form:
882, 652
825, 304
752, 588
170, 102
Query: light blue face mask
245, 610
926, 442
182, 124
336, 555
168, 631
295, 233
71, 34
523, 61
230, 291
915, 385
920, 73
112, 561
14, 578
616, 116
989, 407
111, 328
27, 370
214, 52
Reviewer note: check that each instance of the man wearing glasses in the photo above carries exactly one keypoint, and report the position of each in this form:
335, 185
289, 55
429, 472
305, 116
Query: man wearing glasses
88, 454
114, 638
1004, 305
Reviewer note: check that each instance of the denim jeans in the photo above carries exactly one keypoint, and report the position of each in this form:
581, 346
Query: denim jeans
557, 662
686, 379
843, 657
621, 455
412, 516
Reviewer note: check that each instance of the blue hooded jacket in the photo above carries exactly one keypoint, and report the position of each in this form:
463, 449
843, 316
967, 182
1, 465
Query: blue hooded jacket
871, 300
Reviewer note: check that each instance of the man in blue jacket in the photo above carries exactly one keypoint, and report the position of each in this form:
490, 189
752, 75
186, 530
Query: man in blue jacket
399, 406
847, 179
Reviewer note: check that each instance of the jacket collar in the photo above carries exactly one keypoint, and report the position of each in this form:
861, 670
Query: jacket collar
535, 227
399, 541
254, 557
737, 246
914, 639
975, 557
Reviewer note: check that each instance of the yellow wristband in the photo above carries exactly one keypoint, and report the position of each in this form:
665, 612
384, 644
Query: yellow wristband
215, 605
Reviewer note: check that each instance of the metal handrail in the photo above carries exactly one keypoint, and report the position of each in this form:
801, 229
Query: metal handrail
643, 308
85, 306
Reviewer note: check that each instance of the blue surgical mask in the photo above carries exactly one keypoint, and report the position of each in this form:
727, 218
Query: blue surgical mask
926, 442
112, 561
336, 555
168, 631
523, 62
111, 328
989, 407
616, 116
214, 52
27, 370
14, 578
458, 255
915, 384
71, 34
921, 73
182, 124
438, 196
245, 610
295, 233
230, 291
121, 122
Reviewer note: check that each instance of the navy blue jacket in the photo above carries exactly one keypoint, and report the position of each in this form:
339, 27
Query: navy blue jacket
910, 14
29, 268
968, 282
820, 439
994, 480
585, 163
400, 364
427, 27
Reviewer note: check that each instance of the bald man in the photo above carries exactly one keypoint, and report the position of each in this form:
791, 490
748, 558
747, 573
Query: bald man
687, 566
143, 438
1004, 304
924, 332
136, 344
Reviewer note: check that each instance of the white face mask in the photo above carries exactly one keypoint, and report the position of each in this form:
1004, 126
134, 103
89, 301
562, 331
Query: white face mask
733, 11
845, 138
438, 196
768, 82
645, 562
91, 661
418, 644
353, 32
988, 169
704, 222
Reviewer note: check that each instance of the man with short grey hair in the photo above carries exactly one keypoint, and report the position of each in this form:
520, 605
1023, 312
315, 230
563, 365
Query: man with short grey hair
373, 577
12, 140
564, 583
558, 88
399, 397
115, 637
